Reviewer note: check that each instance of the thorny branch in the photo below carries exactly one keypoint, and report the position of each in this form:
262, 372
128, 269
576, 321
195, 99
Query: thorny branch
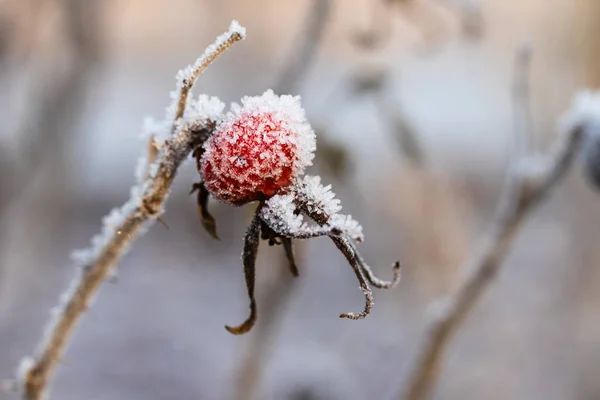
146, 204
529, 183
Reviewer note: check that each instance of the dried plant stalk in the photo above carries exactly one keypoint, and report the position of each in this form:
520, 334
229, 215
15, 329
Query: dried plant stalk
146, 205
528, 185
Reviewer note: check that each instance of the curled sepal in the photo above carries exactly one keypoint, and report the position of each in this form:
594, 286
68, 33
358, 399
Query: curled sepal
348, 251
289, 254
251, 242
208, 221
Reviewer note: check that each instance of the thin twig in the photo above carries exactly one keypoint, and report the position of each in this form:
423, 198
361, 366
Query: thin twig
528, 185
377, 31
408, 140
521, 100
306, 48
146, 204
188, 76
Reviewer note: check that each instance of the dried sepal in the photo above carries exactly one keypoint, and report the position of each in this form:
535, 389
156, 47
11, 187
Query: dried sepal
274, 238
289, 254
370, 275
314, 200
344, 246
251, 242
208, 221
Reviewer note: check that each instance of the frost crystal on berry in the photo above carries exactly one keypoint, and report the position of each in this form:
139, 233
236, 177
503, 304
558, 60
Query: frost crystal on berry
258, 150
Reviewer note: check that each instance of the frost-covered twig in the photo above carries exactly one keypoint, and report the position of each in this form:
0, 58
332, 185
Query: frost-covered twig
124, 224
187, 77
529, 184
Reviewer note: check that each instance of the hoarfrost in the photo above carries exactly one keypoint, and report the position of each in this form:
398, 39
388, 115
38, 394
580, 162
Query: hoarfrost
584, 111
202, 109
288, 110
347, 225
319, 198
280, 214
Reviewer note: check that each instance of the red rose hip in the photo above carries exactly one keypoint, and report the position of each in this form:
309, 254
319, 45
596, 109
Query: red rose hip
258, 150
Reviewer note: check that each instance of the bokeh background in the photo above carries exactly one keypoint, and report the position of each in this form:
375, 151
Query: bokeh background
414, 105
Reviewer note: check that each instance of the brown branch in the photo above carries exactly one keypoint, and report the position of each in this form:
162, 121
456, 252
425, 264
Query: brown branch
86, 285
528, 185
121, 229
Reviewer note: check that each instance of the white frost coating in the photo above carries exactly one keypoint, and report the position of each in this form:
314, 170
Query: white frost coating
110, 223
197, 111
289, 111
279, 214
235, 27
584, 111
533, 167
347, 225
23, 370
188, 72
261, 145
318, 197
158, 130
202, 109
141, 168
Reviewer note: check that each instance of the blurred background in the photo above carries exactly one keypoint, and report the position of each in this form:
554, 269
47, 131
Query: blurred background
415, 107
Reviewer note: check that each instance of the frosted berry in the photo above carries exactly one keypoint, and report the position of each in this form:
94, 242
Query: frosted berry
258, 150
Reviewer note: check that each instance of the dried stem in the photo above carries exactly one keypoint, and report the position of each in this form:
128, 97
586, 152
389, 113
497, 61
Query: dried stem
189, 76
146, 204
528, 185
521, 99
151, 157
88, 281
306, 46
407, 138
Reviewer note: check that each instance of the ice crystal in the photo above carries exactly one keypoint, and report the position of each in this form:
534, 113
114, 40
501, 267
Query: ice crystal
280, 214
319, 198
347, 225
204, 108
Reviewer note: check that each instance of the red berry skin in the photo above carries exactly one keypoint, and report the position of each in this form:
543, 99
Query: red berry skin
257, 151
